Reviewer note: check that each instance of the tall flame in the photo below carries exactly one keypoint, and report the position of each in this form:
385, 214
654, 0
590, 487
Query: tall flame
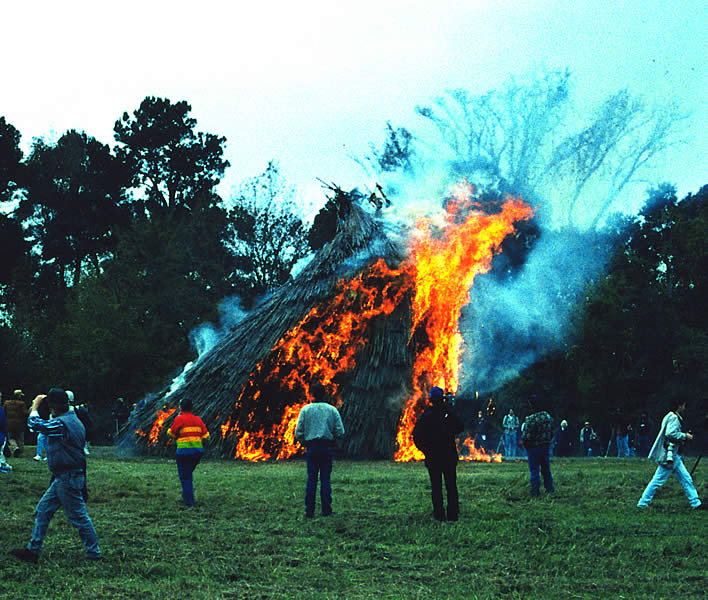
435, 278
444, 269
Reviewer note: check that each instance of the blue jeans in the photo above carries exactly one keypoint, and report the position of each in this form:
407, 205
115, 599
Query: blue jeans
662, 474
65, 491
510, 442
42, 444
622, 446
539, 460
319, 461
186, 463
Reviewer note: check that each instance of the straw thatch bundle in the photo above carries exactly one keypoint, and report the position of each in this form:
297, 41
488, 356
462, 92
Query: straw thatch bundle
221, 383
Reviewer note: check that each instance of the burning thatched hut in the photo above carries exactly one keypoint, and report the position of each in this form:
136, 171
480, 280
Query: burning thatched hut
372, 324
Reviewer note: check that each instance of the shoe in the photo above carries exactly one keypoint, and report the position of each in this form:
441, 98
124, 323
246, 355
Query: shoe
38, 458
6, 469
25, 554
700, 507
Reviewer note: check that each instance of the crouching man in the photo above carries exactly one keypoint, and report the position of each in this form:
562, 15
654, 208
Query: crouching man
67, 463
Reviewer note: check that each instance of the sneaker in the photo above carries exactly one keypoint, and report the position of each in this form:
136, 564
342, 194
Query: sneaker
25, 554
38, 458
5, 469
700, 507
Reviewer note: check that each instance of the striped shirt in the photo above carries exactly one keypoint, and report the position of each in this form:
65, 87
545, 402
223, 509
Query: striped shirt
190, 431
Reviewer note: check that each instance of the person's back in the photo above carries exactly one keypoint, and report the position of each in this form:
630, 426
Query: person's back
318, 425
15, 414
538, 430
318, 421
434, 433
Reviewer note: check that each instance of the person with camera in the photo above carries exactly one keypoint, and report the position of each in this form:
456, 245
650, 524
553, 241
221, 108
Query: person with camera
434, 435
667, 452
67, 463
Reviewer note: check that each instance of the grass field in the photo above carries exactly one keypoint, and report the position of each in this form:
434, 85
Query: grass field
248, 539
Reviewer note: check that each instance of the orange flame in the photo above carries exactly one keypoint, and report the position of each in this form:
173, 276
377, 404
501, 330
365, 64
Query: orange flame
161, 417
473, 453
444, 270
435, 278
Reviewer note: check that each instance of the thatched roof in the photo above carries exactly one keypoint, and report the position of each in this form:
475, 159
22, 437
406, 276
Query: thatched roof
226, 389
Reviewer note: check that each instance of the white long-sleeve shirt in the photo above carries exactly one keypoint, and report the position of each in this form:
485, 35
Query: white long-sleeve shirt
318, 421
670, 430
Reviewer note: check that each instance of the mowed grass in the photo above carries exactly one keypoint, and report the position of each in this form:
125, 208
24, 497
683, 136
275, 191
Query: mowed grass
248, 538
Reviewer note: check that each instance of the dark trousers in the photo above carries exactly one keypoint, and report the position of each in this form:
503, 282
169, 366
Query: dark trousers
437, 470
539, 460
319, 462
186, 463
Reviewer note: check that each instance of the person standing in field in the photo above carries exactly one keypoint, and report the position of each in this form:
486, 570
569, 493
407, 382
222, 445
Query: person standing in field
536, 436
564, 442
190, 432
667, 452
42, 440
16, 415
4, 465
510, 423
319, 424
434, 435
67, 463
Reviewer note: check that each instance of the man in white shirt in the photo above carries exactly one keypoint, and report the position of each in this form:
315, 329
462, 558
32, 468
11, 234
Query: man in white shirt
318, 426
666, 451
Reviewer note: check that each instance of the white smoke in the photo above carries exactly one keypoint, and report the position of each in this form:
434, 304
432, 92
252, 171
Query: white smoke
206, 336
515, 319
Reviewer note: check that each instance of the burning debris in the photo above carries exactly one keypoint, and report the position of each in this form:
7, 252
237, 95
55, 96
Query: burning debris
377, 329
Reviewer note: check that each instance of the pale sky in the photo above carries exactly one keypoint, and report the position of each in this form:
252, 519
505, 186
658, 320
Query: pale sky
308, 83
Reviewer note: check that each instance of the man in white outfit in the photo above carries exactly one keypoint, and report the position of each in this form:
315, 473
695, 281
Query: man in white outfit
666, 451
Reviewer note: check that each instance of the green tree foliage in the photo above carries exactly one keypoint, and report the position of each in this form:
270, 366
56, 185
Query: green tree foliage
72, 205
170, 162
10, 160
642, 334
268, 237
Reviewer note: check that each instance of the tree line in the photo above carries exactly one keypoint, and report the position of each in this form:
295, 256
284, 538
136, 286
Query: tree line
113, 255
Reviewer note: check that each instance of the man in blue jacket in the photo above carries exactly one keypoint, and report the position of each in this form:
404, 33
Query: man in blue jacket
67, 462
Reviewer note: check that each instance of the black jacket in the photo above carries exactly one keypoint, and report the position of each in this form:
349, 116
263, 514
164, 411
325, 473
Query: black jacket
434, 434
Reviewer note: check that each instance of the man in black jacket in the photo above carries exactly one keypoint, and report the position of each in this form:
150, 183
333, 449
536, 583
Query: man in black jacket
66, 437
434, 435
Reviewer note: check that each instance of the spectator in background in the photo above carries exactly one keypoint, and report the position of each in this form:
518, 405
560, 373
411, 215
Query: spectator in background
622, 439
16, 416
563, 440
536, 437
318, 426
510, 423
588, 439
644, 431
82, 413
190, 432
4, 465
42, 440
434, 435
121, 412
480, 437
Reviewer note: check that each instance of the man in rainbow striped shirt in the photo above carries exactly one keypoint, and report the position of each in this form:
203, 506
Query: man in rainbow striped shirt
190, 432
